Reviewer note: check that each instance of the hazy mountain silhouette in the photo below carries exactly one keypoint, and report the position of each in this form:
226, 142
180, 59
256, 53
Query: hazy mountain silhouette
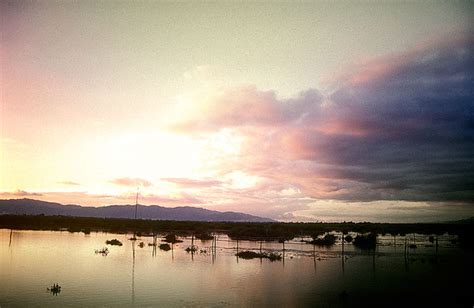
37, 207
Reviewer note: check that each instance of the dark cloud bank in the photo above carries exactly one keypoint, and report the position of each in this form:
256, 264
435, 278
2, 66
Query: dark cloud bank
397, 128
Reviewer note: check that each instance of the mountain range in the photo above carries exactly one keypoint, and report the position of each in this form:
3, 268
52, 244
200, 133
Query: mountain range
188, 213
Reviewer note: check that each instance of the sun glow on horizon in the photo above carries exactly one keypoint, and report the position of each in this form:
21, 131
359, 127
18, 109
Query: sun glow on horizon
276, 109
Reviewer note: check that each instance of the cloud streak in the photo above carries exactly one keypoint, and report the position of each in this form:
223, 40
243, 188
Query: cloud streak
131, 182
19, 194
193, 183
72, 183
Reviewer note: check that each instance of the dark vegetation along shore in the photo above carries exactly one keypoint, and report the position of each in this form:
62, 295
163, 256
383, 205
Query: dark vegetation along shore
238, 230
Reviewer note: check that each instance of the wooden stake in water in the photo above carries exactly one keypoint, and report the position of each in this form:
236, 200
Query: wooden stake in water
136, 208
342, 244
136, 204
405, 245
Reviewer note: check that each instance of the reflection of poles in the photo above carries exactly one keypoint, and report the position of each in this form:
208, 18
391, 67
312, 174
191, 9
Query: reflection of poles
342, 253
405, 252
11, 233
406, 263
283, 244
172, 251
314, 262
133, 272
407, 268
192, 247
153, 253
314, 257
237, 253
373, 261
213, 248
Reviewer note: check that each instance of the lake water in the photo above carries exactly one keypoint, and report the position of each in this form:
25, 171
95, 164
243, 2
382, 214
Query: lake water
31, 261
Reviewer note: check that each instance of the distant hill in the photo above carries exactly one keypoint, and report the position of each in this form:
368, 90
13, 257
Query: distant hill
37, 207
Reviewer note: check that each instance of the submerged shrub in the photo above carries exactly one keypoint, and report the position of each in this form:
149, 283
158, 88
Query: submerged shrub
191, 249
252, 255
114, 242
327, 240
368, 241
204, 236
165, 247
171, 238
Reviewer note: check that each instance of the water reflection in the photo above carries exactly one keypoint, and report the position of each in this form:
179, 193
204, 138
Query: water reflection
210, 281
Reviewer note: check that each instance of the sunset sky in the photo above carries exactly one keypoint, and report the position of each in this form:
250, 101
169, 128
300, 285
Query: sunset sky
306, 111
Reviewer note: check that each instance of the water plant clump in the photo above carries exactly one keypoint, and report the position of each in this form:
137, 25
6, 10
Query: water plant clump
247, 254
165, 247
273, 257
172, 239
54, 289
327, 240
114, 242
367, 241
104, 251
191, 249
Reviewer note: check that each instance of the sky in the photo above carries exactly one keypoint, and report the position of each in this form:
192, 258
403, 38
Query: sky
296, 111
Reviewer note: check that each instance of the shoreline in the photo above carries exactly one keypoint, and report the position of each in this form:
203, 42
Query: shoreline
273, 231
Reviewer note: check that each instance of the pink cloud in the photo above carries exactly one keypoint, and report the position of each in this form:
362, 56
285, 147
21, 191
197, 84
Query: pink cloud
193, 183
134, 182
248, 107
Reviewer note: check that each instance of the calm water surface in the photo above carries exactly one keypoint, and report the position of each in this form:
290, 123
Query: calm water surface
129, 275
